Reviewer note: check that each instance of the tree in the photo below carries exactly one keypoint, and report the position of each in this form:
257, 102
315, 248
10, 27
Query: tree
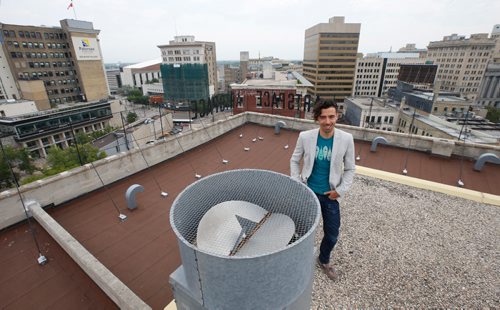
99, 133
62, 160
82, 138
20, 161
493, 114
131, 117
155, 80
5, 174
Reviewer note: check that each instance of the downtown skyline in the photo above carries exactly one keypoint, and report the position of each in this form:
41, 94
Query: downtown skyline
131, 31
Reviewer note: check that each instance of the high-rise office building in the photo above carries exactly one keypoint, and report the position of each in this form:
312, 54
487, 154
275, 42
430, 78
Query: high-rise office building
462, 62
330, 51
52, 65
376, 73
188, 69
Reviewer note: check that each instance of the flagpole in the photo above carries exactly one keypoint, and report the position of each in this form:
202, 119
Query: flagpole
73, 7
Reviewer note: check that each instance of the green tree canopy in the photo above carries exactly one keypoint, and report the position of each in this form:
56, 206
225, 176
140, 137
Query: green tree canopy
19, 159
493, 114
62, 160
131, 117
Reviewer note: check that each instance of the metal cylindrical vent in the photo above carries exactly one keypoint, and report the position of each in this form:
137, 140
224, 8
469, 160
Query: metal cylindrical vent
274, 279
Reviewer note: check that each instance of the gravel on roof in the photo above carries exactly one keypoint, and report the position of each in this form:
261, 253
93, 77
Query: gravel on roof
403, 247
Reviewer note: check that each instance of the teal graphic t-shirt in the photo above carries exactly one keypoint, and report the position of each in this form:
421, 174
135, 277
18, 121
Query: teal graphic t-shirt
318, 181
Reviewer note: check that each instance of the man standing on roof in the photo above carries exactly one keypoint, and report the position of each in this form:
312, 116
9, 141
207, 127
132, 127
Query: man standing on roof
328, 169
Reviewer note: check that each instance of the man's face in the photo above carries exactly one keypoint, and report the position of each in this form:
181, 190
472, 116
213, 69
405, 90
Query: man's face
327, 120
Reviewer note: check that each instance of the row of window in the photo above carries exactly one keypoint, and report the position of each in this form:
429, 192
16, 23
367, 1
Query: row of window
34, 34
337, 55
60, 82
37, 45
47, 64
338, 48
337, 42
39, 55
181, 52
462, 54
387, 119
64, 99
367, 70
358, 82
365, 93
70, 90
186, 58
339, 35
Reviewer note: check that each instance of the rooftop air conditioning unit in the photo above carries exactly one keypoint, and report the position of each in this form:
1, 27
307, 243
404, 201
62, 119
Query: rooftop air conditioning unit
246, 240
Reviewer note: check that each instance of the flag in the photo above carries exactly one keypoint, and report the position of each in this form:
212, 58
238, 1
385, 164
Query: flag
70, 5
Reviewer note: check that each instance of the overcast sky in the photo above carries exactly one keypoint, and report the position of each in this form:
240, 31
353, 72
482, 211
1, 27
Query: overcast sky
131, 30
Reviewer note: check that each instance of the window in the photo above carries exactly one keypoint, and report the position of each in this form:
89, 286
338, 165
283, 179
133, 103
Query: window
240, 101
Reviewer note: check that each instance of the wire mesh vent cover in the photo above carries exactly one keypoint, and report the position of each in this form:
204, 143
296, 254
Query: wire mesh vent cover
241, 192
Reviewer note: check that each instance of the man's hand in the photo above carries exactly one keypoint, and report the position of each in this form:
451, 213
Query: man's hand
332, 194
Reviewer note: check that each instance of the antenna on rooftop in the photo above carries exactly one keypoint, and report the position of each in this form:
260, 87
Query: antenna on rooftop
405, 171
42, 260
460, 182
241, 135
183, 151
163, 193
295, 116
365, 124
121, 216
224, 161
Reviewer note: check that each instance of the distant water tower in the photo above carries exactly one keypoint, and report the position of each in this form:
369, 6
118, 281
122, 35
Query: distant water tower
244, 58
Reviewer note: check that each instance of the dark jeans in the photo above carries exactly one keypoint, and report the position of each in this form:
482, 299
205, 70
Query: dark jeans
331, 225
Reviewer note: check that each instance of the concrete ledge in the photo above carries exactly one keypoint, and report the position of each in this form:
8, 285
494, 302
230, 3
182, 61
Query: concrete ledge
429, 185
107, 281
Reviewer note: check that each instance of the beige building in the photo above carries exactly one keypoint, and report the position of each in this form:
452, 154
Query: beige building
53, 65
412, 48
462, 61
330, 51
376, 73
184, 50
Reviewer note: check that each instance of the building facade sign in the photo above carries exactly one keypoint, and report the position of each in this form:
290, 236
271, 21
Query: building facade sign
86, 48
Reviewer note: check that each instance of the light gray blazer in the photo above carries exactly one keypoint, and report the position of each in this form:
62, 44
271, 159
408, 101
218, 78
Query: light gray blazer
342, 164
